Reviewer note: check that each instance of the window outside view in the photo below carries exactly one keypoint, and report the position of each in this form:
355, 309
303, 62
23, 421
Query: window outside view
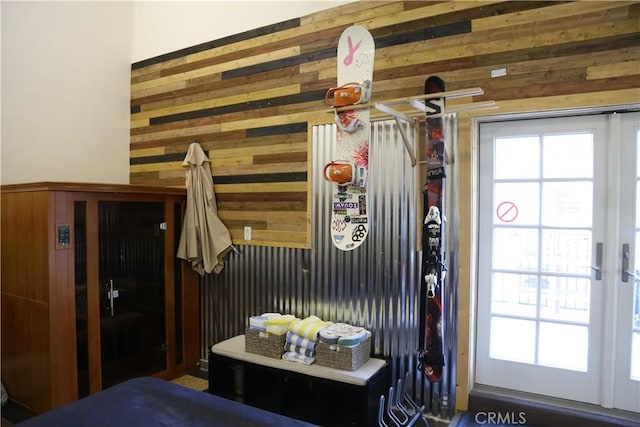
542, 250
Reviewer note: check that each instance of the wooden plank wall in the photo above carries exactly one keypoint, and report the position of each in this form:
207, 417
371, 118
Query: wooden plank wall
251, 99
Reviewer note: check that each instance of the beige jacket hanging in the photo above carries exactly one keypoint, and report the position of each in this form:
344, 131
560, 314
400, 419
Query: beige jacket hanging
205, 240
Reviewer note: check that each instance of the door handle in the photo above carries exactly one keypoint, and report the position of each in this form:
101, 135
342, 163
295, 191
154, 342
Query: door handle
111, 295
598, 267
625, 264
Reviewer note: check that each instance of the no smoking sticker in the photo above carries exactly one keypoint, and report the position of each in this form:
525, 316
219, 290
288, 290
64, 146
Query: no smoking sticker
507, 211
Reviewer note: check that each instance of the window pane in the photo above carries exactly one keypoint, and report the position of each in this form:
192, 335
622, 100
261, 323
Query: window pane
517, 203
514, 294
566, 251
513, 339
568, 156
515, 249
565, 298
564, 346
517, 158
567, 204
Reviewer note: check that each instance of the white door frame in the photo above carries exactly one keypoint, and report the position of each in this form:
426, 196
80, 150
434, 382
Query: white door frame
624, 393
605, 362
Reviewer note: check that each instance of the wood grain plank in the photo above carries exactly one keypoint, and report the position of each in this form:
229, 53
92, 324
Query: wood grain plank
465, 45
255, 145
275, 187
266, 122
168, 130
155, 167
290, 239
203, 85
280, 206
162, 158
297, 157
249, 47
305, 42
614, 69
463, 77
145, 152
439, 10
259, 169
199, 91
540, 15
158, 84
287, 225
596, 99
246, 159
261, 178
139, 178
267, 217
261, 146
313, 26
175, 85
240, 108
218, 102
257, 195
62, 307
561, 88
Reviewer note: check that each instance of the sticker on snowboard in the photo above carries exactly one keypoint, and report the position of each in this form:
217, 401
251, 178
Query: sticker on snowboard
430, 356
349, 215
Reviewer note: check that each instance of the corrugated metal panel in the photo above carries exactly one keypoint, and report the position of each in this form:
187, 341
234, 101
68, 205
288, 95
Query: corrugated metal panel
375, 286
258, 279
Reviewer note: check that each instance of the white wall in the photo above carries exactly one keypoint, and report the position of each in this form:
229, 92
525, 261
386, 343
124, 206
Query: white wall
65, 91
66, 75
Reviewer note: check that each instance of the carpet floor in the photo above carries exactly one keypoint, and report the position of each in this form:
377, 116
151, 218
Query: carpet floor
11, 413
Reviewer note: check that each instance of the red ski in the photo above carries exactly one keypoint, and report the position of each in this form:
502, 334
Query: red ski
430, 356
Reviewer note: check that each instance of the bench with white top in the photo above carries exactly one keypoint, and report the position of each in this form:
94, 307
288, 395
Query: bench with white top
312, 393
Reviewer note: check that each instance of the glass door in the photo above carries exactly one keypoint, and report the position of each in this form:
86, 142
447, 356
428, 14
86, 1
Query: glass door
558, 300
626, 388
132, 289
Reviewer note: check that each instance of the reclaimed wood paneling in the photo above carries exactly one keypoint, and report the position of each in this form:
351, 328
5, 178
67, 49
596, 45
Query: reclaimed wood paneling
250, 99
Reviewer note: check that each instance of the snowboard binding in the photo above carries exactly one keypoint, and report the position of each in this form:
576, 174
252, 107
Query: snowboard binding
345, 172
349, 94
348, 121
431, 365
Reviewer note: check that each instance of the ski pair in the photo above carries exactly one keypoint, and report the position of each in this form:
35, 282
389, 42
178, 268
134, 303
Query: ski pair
431, 358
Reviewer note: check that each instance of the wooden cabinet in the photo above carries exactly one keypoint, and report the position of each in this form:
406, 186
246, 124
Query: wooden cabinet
92, 292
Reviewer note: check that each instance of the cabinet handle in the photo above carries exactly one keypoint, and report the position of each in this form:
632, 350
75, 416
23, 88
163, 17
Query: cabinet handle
111, 296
